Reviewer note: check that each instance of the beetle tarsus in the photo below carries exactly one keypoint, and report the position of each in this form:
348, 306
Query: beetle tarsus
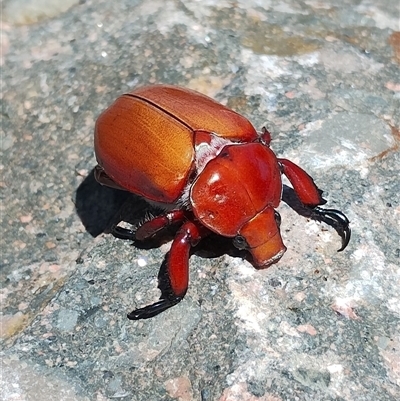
337, 220
152, 310
123, 233
173, 277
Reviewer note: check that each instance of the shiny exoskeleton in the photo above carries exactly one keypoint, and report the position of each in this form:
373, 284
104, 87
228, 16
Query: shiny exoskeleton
211, 172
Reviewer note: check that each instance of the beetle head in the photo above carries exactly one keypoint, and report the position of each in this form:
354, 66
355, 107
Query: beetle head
262, 238
235, 196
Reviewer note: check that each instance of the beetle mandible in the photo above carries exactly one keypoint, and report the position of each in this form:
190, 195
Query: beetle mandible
208, 169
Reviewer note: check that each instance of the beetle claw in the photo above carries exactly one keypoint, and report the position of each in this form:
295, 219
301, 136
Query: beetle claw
123, 233
337, 220
152, 310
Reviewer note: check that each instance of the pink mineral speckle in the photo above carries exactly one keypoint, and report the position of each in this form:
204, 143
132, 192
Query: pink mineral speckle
239, 392
307, 328
180, 387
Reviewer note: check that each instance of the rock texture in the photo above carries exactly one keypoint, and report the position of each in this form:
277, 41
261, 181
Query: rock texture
323, 76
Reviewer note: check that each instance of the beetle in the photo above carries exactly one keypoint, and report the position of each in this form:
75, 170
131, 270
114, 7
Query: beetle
208, 169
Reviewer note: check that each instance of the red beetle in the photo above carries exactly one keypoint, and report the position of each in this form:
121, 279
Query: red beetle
208, 168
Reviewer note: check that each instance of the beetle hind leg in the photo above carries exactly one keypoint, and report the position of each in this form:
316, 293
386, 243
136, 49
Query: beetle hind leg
173, 279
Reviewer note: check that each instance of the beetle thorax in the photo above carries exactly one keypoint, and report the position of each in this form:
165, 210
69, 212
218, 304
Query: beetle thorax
206, 151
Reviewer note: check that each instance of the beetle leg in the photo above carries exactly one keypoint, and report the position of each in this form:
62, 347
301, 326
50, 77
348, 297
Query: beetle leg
304, 186
310, 195
149, 228
337, 220
123, 233
174, 273
156, 224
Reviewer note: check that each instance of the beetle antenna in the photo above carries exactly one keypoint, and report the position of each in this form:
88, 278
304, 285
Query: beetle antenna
265, 136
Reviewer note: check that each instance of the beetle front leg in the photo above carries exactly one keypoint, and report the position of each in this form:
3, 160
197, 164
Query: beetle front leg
174, 276
304, 186
310, 195
337, 220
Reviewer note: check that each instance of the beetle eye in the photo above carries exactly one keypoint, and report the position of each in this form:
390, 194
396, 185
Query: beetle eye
278, 219
240, 242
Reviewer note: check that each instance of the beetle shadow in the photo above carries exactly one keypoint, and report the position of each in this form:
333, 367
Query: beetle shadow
100, 208
292, 200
